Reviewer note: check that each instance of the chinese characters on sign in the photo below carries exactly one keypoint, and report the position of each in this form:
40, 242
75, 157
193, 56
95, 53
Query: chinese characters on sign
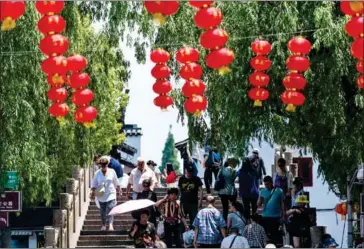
10, 201
4, 219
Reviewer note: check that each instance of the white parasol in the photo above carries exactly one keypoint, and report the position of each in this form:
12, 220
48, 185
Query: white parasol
132, 205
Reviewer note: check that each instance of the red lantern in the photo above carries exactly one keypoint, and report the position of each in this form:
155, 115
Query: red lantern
85, 114
76, 63
161, 9
259, 79
82, 97
355, 27
261, 47
294, 81
56, 80
339, 209
55, 65
79, 80
159, 56
360, 82
161, 71
260, 63
10, 11
59, 109
220, 59
196, 104
352, 8
163, 101
54, 45
357, 48
208, 18
297, 63
214, 38
191, 71
360, 66
200, 4
292, 99
169, 8
162, 87
56, 94
193, 87
344, 208
49, 7
49, 25
187, 54
299, 45
258, 95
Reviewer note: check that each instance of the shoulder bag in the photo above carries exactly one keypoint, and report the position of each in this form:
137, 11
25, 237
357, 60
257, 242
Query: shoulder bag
100, 191
232, 242
220, 182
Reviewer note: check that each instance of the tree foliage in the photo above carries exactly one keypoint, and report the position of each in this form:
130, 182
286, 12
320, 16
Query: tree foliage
330, 122
32, 142
170, 153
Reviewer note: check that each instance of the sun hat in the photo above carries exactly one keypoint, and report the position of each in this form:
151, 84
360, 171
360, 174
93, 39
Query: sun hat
302, 199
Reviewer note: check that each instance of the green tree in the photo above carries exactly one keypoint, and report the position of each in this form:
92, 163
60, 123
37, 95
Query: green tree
32, 142
170, 153
330, 122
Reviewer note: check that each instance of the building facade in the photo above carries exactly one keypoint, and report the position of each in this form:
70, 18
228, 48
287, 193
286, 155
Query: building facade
130, 150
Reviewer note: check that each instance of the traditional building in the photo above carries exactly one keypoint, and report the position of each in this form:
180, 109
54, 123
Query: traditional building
130, 150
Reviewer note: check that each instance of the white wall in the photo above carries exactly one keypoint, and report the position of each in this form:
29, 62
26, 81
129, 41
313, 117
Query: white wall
134, 141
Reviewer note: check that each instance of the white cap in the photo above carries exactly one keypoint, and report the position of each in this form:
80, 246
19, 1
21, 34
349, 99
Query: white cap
105, 158
255, 150
140, 159
210, 198
270, 246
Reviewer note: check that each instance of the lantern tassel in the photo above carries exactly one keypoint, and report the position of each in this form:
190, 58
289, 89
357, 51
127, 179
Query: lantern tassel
258, 103
164, 109
291, 108
343, 217
89, 125
159, 18
224, 70
8, 24
57, 80
197, 113
61, 121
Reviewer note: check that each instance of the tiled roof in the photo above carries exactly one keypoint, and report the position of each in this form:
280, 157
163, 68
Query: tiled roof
132, 130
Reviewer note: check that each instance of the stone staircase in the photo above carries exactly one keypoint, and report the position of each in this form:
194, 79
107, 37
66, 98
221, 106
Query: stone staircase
92, 237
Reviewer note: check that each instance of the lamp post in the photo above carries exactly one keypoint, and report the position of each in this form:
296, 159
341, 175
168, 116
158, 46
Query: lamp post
356, 178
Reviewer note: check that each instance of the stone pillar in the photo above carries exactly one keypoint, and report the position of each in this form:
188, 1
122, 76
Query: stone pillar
59, 222
77, 173
50, 237
71, 186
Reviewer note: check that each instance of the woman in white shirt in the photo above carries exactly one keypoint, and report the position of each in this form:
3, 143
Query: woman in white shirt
105, 177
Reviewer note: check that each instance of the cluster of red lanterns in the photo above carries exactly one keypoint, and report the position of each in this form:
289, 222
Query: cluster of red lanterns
355, 28
161, 9
259, 79
294, 82
213, 38
161, 72
54, 45
10, 11
194, 87
56, 66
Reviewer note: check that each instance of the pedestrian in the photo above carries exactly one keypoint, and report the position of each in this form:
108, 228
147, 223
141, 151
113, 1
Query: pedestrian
112, 164
212, 163
284, 180
137, 176
255, 233
148, 194
172, 218
152, 165
143, 232
297, 189
191, 194
228, 193
235, 240
257, 164
105, 185
170, 175
248, 187
236, 219
272, 200
299, 221
210, 226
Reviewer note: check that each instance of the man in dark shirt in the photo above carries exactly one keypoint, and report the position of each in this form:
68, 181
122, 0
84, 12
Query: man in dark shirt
190, 186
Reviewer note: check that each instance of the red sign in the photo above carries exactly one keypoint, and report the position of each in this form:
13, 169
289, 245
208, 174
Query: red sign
10, 201
305, 165
4, 219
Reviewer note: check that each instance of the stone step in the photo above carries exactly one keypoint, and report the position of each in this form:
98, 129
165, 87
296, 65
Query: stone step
97, 243
95, 208
125, 218
117, 222
97, 227
103, 237
103, 233
107, 246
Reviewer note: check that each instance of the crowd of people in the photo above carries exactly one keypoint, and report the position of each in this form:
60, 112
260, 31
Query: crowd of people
260, 219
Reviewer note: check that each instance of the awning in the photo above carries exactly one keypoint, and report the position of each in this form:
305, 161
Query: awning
21, 233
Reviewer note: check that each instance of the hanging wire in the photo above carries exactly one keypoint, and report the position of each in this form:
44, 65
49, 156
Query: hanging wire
184, 44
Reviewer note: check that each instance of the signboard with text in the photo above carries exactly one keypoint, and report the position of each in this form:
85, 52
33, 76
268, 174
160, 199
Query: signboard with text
10, 179
10, 201
4, 219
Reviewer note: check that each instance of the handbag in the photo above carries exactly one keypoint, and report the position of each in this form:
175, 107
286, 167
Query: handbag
220, 182
100, 191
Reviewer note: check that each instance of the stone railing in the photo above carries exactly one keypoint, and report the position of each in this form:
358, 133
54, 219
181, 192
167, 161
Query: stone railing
68, 220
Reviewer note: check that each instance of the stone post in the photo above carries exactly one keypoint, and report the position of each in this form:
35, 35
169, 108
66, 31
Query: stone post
50, 237
66, 202
59, 222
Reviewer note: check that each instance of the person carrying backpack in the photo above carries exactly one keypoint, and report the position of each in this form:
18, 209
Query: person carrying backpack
212, 165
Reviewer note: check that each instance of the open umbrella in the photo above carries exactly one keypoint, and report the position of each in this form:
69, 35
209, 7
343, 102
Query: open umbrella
132, 205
